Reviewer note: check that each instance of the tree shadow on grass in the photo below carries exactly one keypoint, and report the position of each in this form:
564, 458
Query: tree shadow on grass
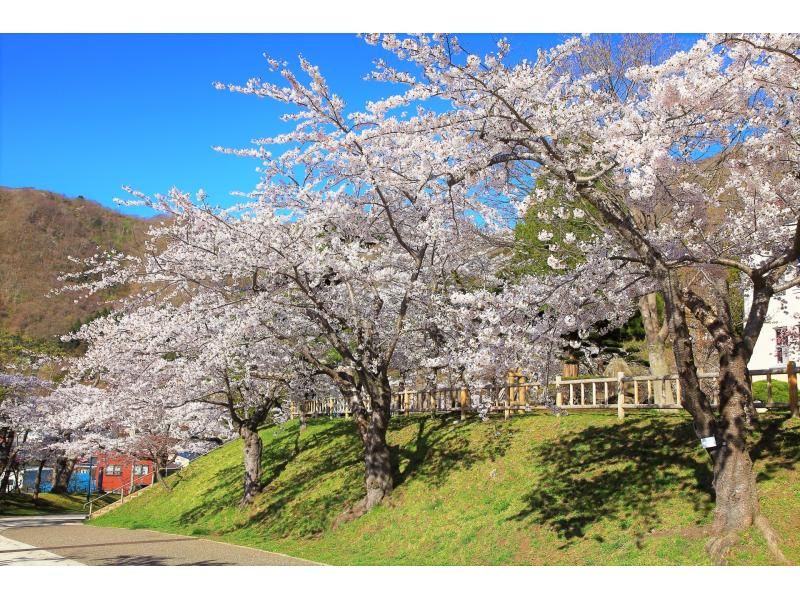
311, 478
306, 498
443, 444
226, 491
777, 445
310, 496
617, 473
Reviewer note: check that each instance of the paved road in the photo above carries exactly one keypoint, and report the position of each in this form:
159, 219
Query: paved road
63, 540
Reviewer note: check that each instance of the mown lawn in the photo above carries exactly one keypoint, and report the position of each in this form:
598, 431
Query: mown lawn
584, 489
15, 504
780, 391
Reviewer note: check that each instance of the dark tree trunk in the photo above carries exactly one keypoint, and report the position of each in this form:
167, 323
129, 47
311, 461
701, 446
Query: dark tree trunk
63, 472
38, 481
252, 463
6, 445
6, 456
10, 465
734, 479
692, 396
372, 427
161, 464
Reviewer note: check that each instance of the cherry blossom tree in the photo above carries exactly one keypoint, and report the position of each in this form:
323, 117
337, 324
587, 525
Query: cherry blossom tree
342, 249
190, 374
373, 236
20, 400
695, 171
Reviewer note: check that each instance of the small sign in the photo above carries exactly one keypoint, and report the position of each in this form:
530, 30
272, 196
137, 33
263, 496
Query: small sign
708, 442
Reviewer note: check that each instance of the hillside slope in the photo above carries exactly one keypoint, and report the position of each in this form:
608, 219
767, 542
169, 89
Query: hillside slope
534, 490
38, 231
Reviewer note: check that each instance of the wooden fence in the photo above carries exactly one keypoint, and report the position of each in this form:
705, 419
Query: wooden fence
517, 395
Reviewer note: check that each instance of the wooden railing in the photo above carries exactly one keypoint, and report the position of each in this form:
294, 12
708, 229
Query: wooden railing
621, 392
120, 490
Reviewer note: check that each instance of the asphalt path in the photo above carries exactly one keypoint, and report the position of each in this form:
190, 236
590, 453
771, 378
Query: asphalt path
64, 540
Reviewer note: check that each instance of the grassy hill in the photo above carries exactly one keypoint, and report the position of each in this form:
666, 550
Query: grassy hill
16, 504
38, 231
533, 490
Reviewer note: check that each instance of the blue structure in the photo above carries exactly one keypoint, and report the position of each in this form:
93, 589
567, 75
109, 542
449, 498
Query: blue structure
29, 479
79, 483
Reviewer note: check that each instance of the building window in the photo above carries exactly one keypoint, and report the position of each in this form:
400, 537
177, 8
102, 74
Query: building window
141, 470
113, 470
781, 344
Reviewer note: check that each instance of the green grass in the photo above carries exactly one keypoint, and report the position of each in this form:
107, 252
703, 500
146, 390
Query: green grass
14, 504
780, 391
534, 490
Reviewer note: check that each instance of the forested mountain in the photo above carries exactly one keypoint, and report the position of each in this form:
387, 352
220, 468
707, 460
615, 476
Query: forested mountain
39, 230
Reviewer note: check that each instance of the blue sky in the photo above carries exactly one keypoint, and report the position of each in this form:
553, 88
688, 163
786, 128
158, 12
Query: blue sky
87, 114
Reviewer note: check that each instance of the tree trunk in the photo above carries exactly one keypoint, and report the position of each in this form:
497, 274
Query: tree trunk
63, 472
734, 479
252, 463
693, 399
659, 366
160, 461
38, 481
655, 337
373, 427
6, 456
7, 475
6, 446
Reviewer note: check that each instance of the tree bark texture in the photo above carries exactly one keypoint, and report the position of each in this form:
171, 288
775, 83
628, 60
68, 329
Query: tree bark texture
252, 463
6, 454
7, 475
734, 479
63, 472
657, 352
373, 426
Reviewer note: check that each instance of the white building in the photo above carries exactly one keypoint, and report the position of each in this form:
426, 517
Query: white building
778, 342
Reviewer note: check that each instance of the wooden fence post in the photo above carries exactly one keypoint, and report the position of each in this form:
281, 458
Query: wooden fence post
620, 395
559, 399
770, 402
791, 375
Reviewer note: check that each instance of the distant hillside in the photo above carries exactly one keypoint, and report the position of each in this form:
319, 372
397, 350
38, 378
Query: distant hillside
38, 231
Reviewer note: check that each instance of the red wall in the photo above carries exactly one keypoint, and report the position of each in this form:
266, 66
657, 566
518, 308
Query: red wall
126, 463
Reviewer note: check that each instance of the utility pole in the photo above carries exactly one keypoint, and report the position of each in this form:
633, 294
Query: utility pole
89, 491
